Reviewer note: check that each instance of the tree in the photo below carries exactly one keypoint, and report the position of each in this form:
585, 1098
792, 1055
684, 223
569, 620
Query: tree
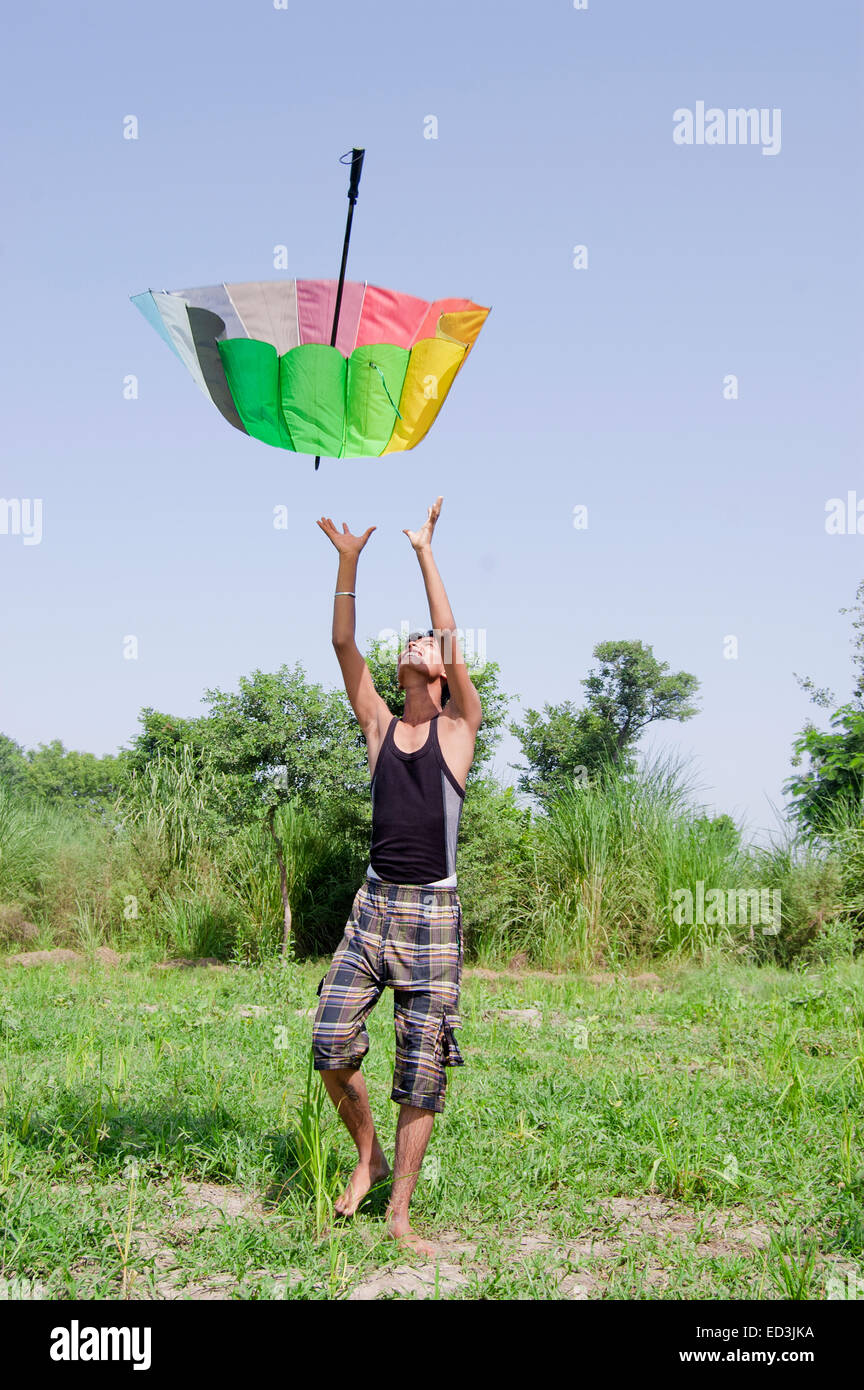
563, 746
13, 764
633, 689
832, 787
630, 690
63, 776
60, 775
161, 733
287, 743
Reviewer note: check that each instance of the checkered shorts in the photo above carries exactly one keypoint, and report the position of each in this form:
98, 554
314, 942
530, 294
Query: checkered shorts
410, 938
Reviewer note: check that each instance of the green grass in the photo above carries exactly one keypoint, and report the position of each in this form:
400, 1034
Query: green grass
601, 1147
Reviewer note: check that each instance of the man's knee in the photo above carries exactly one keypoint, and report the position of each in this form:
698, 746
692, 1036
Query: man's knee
338, 1047
419, 1077
343, 1077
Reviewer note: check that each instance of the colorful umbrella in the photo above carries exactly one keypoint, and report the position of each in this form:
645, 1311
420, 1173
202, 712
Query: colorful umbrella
324, 367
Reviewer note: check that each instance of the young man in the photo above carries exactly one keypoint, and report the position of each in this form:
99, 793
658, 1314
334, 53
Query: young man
405, 926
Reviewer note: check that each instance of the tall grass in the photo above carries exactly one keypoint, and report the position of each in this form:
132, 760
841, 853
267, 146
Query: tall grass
592, 881
613, 852
195, 925
174, 795
251, 869
50, 860
820, 877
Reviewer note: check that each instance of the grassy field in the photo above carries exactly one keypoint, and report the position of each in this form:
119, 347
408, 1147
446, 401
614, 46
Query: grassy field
692, 1134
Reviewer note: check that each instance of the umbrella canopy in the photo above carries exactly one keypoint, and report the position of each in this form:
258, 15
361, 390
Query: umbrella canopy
261, 352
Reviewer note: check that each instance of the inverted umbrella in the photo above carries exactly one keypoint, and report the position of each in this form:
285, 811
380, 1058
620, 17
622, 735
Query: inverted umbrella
337, 368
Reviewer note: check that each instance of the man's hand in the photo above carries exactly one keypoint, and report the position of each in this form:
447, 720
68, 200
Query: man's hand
422, 539
344, 542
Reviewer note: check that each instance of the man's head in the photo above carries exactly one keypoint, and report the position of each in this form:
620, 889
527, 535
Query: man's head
422, 654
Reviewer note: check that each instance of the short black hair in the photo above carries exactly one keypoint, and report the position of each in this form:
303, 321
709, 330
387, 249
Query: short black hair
445, 688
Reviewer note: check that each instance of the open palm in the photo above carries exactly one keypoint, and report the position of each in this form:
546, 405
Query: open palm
343, 540
423, 537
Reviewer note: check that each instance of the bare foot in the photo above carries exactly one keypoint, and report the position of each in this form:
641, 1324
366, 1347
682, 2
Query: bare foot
359, 1183
399, 1229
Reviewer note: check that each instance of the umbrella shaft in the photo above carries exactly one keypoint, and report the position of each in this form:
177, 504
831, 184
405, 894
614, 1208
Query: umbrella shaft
356, 170
342, 275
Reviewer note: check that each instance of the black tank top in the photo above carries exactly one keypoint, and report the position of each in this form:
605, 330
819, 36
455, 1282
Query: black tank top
416, 809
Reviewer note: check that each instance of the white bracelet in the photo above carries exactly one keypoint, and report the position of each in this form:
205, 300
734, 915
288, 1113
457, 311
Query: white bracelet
348, 593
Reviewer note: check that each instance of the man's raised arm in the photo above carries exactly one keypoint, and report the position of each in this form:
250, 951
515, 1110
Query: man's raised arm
463, 692
365, 700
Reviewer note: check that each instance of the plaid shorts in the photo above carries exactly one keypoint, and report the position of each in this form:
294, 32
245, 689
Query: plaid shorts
410, 938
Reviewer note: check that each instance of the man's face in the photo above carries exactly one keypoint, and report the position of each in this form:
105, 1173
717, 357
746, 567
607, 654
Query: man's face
423, 654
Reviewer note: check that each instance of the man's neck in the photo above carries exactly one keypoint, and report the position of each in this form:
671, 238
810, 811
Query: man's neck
419, 707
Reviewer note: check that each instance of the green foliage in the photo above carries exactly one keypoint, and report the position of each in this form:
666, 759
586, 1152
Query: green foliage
495, 862
188, 857
720, 830
281, 737
161, 734
196, 924
615, 851
631, 690
25, 852
13, 764
736, 1087
563, 748
50, 859
833, 783
834, 780
59, 776
175, 795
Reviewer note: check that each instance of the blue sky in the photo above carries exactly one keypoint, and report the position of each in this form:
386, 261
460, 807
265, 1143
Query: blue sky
600, 387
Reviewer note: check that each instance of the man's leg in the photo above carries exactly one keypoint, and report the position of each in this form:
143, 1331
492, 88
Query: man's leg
347, 994
426, 980
412, 1136
347, 1090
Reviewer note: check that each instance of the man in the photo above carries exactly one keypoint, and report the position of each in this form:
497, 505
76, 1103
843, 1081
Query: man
405, 926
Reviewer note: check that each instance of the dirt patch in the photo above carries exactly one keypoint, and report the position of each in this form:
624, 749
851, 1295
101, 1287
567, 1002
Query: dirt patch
718, 1233
190, 963
479, 972
202, 1206
61, 956
404, 1281
581, 1268
210, 1203
532, 1017
646, 979
456, 1267
56, 957
578, 1266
